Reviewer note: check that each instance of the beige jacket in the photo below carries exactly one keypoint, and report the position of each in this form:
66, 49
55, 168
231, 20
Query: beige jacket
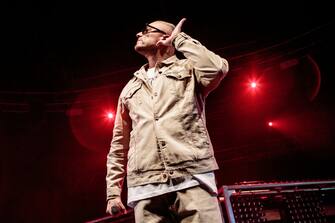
160, 130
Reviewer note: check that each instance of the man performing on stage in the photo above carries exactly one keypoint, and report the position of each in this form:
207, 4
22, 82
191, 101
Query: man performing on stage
160, 140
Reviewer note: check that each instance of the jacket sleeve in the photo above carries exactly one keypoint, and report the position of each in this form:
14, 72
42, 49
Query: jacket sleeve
116, 158
209, 68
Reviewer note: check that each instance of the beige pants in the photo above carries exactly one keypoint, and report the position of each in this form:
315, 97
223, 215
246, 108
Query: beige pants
194, 205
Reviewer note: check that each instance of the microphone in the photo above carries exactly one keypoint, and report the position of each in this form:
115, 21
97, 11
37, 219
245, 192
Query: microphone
115, 210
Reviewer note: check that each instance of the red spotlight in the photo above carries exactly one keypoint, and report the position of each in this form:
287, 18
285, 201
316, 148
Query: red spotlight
253, 84
270, 124
110, 115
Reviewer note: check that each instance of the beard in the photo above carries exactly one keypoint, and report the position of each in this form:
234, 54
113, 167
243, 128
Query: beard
142, 48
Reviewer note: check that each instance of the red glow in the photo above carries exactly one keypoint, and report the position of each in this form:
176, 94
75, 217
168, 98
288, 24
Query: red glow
110, 115
92, 125
253, 84
270, 124
309, 128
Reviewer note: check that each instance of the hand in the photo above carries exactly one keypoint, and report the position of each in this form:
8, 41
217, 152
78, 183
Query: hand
168, 41
115, 207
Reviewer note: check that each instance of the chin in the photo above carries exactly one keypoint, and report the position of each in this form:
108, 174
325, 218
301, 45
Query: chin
138, 48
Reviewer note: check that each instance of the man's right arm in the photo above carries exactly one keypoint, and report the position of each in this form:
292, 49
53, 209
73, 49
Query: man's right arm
116, 159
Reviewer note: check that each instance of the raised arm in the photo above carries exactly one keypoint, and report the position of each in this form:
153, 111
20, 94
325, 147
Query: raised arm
209, 68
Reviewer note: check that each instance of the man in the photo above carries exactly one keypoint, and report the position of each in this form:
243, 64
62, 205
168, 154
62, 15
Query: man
160, 130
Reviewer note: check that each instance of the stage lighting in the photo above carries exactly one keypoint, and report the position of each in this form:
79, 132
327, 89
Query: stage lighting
110, 115
253, 84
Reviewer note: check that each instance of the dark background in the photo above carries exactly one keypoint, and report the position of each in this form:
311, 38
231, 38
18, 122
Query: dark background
64, 64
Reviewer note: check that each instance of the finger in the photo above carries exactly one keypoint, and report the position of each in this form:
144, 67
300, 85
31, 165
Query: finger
110, 204
178, 27
122, 207
181, 22
109, 211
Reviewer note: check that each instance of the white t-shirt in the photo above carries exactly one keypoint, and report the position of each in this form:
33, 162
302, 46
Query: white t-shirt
151, 73
138, 193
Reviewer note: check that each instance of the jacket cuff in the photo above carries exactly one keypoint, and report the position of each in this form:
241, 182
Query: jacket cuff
113, 192
180, 38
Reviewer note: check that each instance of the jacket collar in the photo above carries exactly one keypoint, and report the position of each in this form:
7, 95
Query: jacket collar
163, 65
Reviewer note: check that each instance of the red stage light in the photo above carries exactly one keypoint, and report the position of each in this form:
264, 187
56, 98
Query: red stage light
110, 115
253, 84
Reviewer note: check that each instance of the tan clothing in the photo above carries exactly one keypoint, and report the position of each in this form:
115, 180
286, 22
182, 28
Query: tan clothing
193, 205
160, 130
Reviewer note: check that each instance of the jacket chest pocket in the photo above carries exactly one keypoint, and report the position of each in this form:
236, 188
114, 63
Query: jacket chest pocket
132, 98
179, 82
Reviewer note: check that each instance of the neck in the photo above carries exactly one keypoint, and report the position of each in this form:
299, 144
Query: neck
157, 57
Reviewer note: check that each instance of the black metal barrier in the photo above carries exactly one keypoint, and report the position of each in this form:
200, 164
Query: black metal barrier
300, 202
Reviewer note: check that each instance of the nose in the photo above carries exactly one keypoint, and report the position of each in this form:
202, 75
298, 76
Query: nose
139, 34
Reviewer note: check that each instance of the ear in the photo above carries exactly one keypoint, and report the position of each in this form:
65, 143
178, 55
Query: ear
165, 36
160, 40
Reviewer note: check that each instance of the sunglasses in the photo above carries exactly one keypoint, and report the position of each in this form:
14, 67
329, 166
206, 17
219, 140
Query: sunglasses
153, 29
